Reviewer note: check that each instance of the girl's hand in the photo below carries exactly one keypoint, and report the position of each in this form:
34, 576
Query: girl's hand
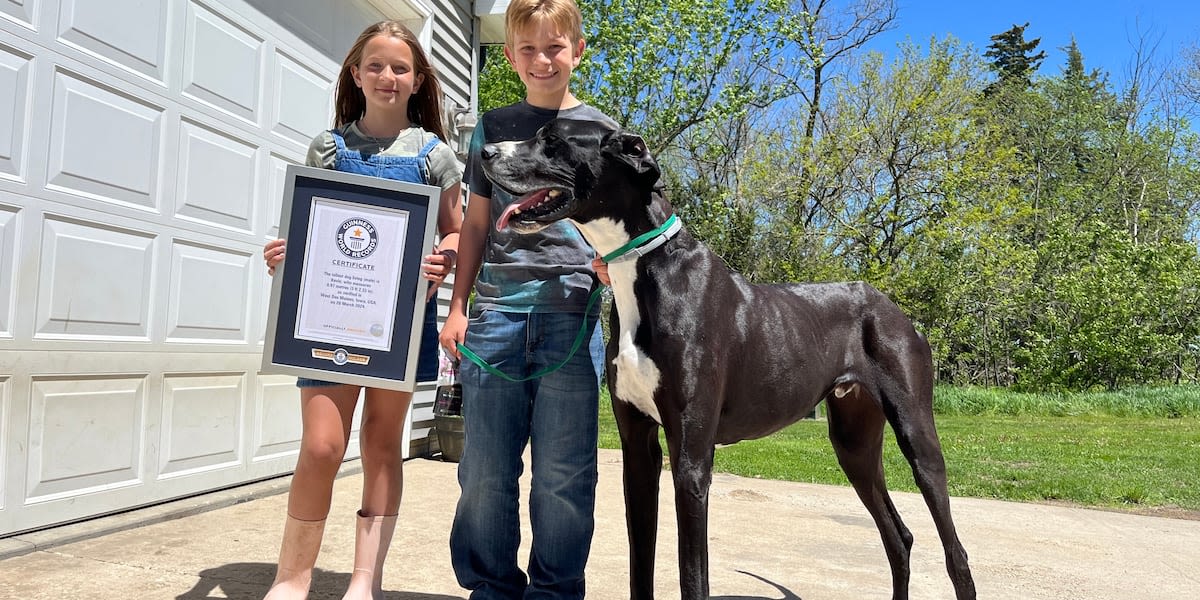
435, 267
273, 254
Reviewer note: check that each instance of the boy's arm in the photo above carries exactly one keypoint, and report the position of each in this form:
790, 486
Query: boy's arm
470, 258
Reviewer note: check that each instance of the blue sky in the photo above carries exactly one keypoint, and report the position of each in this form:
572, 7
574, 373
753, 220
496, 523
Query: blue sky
1105, 30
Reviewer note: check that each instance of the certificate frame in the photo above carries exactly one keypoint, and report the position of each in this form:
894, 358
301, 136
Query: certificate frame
348, 301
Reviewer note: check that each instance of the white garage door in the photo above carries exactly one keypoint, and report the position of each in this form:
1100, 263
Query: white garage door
141, 163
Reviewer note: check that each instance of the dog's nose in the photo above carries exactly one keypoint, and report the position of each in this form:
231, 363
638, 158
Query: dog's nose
489, 151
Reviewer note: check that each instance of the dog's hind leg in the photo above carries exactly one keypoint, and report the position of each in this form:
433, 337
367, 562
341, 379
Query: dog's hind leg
916, 434
642, 457
856, 431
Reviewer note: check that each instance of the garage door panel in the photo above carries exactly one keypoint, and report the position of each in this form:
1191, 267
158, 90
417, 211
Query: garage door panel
94, 281
277, 432
201, 422
223, 64
5, 420
217, 175
8, 264
103, 144
21, 11
85, 435
302, 100
15, 94
276, 181
128, 33
209, 288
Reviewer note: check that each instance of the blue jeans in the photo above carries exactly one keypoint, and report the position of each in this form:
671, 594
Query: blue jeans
556, 415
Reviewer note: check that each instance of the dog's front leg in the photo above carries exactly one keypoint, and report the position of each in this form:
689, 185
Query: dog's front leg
691, 470
642, 458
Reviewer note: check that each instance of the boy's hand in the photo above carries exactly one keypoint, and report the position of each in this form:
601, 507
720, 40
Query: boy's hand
454, 331
601, 269
273, 254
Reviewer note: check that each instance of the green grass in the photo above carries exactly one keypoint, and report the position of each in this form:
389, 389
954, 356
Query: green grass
1120, 450
1168, 402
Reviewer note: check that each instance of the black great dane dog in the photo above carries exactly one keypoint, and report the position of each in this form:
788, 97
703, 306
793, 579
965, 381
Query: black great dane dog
714, 359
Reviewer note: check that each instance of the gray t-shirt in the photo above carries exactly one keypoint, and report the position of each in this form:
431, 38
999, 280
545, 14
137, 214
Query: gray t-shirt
444, 170
547, 271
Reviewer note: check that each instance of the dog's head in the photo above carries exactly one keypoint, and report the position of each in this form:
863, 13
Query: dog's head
578, 170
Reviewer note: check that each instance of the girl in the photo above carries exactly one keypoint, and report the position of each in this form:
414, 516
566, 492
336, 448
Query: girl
388, 123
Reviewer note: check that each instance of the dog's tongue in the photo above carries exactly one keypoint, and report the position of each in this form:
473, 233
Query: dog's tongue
516, 207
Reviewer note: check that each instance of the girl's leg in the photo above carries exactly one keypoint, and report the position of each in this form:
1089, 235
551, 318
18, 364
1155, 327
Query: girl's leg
326, 412
383, 481
379, 441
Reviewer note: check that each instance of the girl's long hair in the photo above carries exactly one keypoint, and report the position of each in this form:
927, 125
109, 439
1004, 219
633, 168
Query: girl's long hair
424, 107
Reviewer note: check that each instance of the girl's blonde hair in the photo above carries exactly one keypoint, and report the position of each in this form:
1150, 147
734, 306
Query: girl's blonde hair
522, 14
424, 107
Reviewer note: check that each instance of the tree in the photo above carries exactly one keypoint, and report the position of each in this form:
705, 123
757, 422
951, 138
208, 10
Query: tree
665, 68
499, 84
823, 37
1012, 59
1188, 77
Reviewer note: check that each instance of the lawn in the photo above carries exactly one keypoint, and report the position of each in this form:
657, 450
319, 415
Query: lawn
1092, 457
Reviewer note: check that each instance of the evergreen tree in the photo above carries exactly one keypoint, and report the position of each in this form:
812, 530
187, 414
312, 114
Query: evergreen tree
1012, 59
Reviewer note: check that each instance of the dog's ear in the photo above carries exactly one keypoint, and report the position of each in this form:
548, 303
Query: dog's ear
631, 149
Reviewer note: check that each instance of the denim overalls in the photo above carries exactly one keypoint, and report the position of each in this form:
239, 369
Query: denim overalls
413, 169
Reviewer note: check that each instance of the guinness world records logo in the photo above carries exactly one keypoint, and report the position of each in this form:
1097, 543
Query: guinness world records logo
356, 238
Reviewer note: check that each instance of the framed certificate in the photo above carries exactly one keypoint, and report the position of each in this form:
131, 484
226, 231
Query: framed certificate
348, 301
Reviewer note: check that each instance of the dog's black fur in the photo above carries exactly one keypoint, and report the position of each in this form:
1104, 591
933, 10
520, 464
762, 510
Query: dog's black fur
716, 359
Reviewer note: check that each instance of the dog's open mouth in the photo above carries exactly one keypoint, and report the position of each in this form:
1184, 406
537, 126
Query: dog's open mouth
533, 208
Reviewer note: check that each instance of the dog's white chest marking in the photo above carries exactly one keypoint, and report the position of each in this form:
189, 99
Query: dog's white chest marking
637, 375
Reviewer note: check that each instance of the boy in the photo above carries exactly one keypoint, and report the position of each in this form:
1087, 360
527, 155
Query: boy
531, 295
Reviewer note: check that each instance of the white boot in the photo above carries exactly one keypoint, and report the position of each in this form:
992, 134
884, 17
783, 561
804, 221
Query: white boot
297, 555
371, 540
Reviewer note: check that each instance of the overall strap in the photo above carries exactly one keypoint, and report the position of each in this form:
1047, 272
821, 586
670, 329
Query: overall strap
428, 147
338, 140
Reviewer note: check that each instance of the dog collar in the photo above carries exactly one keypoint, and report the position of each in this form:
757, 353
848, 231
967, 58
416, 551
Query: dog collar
646, 242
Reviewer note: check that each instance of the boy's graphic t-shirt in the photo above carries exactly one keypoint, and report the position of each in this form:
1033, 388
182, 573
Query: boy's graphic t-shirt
547, 271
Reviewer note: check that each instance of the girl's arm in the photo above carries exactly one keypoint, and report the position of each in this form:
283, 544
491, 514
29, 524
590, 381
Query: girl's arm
449, 223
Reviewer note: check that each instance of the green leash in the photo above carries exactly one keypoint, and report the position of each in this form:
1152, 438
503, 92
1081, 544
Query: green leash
637, 247
574, 347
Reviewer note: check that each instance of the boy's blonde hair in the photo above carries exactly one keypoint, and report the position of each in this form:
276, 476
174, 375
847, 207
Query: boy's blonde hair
522, 14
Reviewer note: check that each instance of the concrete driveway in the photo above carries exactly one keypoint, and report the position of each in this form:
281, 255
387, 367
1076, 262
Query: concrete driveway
769, 540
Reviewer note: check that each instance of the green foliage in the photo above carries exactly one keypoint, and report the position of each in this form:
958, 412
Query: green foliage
662, 68
1113, 451
1113, 314
499, 85
1133, 402
1012, 57
1041, 230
